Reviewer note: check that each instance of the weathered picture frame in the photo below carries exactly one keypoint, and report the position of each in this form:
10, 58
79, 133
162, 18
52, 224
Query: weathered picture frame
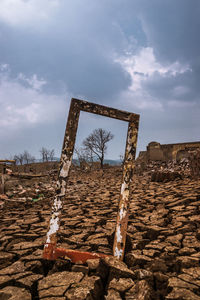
50, 250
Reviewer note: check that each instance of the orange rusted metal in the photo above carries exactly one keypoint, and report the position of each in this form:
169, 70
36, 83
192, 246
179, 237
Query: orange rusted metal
52, 253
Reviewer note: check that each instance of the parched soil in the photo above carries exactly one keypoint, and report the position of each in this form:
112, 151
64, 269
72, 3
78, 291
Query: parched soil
162, 250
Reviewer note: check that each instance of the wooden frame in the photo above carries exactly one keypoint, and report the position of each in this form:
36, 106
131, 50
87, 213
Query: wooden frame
50, 250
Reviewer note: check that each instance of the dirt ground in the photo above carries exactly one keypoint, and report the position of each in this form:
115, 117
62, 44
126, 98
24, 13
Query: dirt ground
163, 241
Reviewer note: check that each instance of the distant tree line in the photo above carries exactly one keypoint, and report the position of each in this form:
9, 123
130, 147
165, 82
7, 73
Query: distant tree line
27, 158
93, 149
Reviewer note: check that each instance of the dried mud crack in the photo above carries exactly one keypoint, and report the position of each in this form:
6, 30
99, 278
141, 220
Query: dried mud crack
162, 258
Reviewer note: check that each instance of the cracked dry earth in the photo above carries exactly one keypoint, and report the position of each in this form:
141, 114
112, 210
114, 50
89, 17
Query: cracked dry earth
163, 241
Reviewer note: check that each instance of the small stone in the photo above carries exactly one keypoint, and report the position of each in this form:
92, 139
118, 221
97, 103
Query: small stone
118, 268
160, 283
186, 251
137, 259
60, 265
175, 239
194, 272
15, 268
5, 280
179, 283
89, 288
140, 291
80, 268
5, 259
183, 294
34, 266
29, 280
113, 295
188, 261
158, 265
121, 284
57, 283
93, 263
143, 274
190, 279
14, 293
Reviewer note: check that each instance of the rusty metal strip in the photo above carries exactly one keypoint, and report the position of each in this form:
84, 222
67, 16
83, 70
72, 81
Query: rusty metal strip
76, 106
74, 255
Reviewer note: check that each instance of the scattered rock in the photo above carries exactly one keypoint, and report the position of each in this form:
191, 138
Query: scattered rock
140, 291
88, 288
113, 295
57, 283
14, 293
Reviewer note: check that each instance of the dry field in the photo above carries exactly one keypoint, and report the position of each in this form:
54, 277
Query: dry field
163, 241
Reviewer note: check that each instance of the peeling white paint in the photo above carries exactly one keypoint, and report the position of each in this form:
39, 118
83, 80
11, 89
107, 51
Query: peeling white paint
65, 169
63, 188
66, 141
58, 184
118, 233
128, 148
57, 204
122, 213
118, 253
53, 228
124, 191
54, 222
123, 187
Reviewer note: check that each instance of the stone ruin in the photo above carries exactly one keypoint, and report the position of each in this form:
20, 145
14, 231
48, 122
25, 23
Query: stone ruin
169, 162
166, 152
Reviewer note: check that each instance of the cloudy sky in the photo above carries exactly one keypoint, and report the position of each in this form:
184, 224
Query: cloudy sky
137, 55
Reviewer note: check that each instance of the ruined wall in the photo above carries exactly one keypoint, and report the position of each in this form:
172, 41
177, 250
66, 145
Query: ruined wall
165, 152
154, 152
194, 160
172, 150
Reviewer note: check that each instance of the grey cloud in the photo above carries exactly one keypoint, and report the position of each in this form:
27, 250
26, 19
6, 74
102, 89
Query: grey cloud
74, 52
182, 87
172, 28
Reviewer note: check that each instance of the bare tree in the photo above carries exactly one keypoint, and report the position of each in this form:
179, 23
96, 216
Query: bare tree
84, 156
19, 158
121, 157
47, 155
24, 158
96, 143
80, 155
43, 153
28, 158
51, 154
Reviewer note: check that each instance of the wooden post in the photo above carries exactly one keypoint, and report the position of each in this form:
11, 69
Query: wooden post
3, 178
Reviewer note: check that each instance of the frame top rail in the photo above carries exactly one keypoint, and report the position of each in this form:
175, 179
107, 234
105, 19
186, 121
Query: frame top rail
104, 110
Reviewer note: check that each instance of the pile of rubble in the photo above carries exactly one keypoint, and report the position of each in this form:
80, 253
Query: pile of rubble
195, 162
167, 171
171, 170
